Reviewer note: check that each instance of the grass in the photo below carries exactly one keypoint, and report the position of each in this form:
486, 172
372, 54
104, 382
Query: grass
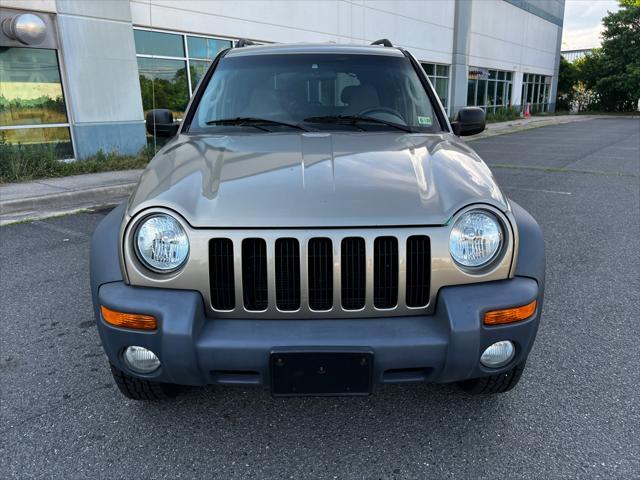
20, 163
503, 115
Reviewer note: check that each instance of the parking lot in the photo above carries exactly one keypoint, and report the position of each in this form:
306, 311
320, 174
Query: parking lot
575, 414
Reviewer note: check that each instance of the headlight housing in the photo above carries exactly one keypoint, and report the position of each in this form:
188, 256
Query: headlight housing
476, 239
161, 243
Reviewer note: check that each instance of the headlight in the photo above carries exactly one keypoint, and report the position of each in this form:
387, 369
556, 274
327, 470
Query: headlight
161, 243
475, 239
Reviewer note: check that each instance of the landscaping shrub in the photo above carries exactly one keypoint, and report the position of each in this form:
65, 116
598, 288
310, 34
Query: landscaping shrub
20, 163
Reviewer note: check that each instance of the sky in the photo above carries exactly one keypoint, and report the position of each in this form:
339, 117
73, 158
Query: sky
583, 22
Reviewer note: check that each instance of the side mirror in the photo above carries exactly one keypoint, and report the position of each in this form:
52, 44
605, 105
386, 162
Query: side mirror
160, 123
469, 121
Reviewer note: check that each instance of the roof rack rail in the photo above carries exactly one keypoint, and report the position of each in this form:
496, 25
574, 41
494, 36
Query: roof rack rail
383, 41
243, 42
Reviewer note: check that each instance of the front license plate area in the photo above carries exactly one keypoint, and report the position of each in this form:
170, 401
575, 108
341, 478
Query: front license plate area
321, 373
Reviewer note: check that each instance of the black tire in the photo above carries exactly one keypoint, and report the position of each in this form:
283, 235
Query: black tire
139, 389
499, 383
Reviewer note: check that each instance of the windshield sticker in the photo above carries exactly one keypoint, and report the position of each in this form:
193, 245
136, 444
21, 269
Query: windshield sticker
426, 121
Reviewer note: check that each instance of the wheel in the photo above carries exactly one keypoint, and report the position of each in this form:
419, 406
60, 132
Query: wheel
139, 389
499, 383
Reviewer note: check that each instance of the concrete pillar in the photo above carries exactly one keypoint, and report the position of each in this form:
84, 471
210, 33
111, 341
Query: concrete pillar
556, 68
460, 58
99, 63
516, 89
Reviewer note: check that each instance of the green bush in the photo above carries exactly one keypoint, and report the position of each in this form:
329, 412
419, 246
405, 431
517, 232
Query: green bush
20, 163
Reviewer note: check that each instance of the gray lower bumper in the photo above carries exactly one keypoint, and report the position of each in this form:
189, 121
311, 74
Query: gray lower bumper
196, 350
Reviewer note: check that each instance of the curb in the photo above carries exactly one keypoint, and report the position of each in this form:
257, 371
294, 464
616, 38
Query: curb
67, 199
33, 208
516, 128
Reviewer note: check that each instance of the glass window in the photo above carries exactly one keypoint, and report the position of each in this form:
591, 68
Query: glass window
57, 137
481, 97
471, 93
429, 68
30, 87
442, 89
493, 87
439, 77
442, 70
491, 93
31, 97
164, 84
208, 48
500, 93
158, 43
198, 69
297, 88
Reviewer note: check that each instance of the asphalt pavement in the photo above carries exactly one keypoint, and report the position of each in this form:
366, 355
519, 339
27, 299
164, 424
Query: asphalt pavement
575, 414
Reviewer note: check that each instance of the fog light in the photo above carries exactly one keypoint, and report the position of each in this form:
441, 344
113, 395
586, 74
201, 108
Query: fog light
498, 354
140, 360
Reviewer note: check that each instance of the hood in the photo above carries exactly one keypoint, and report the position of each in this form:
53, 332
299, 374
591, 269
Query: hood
316, 179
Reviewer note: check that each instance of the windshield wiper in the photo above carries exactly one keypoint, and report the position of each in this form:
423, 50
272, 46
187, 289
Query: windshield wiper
353, 119
254, 122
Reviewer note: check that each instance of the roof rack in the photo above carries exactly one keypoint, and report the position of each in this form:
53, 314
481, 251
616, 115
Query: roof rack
243, 42
384, 42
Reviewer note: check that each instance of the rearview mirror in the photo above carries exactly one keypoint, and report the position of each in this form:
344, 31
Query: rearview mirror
469, 121
160, 123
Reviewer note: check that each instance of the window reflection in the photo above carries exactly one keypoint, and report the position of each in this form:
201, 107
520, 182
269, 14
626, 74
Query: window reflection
30, 87
57, 137
32, 100
158, 43
489, 89
164, 84
198, 69
206, 48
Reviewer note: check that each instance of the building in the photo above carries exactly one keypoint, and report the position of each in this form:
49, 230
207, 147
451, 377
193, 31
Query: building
82, 73
573, 55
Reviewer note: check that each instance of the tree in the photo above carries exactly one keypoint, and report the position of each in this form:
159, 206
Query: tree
567, 80
613, 71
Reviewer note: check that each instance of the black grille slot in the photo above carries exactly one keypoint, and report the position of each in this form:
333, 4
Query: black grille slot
385, 272
320, 269
254, 274
221, 280
353, 274
287, 274
418, 270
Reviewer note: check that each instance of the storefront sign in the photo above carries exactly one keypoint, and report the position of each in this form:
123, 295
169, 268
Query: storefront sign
478, 74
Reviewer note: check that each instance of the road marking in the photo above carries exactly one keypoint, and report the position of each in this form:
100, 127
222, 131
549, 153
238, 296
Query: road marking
541, 168
538, 190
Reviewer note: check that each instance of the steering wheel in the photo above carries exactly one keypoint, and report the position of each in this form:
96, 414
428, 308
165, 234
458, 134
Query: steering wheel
370, 112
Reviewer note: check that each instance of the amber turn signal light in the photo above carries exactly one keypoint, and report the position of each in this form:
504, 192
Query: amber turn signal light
129, 320
510, 315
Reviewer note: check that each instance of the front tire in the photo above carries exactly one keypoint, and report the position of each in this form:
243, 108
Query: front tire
498, 383
140, 389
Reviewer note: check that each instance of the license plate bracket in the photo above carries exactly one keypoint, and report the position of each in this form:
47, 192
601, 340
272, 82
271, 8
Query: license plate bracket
321, 373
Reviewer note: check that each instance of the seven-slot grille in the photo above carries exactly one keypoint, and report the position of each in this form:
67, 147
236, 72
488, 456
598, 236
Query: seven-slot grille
319, 274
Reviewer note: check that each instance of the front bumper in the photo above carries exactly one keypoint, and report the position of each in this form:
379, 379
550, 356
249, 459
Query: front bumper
196, 350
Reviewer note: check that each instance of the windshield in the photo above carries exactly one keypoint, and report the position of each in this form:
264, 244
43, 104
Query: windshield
315, 92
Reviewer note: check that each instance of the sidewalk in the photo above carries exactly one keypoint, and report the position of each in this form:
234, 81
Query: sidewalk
512, 126
59, 196
49, 197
